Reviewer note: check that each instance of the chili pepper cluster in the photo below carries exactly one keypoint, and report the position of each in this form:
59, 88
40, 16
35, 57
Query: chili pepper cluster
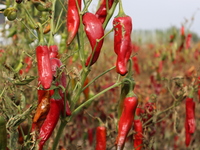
50, 101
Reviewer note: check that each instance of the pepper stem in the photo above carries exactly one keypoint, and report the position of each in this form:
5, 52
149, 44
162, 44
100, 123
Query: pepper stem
40, 34
121, 10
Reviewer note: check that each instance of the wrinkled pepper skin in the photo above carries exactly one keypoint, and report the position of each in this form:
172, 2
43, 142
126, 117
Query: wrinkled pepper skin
126, 121
49, 123
190, 115
101, 13
100, 138
122, 42
3, 134
53, 49
94, 30
137, 139
73, 20
44, 66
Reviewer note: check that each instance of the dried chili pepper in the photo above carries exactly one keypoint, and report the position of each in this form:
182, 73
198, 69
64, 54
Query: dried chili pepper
94, 31
44, 66
126, 120
73, 20
122, 25
101, 13
100, 138
137, 139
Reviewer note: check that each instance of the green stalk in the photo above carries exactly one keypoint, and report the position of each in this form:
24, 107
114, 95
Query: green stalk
40, 34
110, 13
92, 98
98, 77
51, 40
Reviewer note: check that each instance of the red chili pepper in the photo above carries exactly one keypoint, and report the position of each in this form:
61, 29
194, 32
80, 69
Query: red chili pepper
136, 66
53, 49
73, 20
87, 90
137, 142
49, 123
94, 30
187, 134
44, 66
102, 12
190, 115
101, 138
122, 42
126, 120
188, 41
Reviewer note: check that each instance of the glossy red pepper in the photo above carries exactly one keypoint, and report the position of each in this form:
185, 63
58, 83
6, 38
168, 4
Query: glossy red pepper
73, 20
101, 13
44, 66
188, 135
94, 31
100, 138
126, 121
122, 42
53, 49
49, 123
137, 138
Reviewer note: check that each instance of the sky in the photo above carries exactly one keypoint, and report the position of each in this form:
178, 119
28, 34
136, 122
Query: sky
162, 14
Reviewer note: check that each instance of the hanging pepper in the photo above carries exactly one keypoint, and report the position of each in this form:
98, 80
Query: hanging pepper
101, 13
94, 31
188, 41
53, 49
73, 20
44, 66
187, 134
126, 120
190, 114
122, 25
137, 139
90, 136
49, 123
101, 138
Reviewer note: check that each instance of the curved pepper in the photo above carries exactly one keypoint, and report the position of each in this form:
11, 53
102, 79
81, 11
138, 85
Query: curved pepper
126, 121
100, 138
94, 31
73, 20
49, 123
44, 66
122, 42
137, 139
102, 12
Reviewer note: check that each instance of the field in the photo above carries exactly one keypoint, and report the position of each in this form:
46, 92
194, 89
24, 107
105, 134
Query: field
52, 96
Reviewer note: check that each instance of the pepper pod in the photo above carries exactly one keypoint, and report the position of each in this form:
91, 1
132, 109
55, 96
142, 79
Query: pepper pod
122, 25
101, 13
137, 137
128, 105
44, 66
94, 31
73, 20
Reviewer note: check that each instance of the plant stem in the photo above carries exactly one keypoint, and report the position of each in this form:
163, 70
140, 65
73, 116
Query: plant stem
91, 99
59, 133
98, 77
51, 40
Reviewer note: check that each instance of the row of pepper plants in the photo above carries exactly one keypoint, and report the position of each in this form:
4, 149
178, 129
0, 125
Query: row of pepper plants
52, 96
